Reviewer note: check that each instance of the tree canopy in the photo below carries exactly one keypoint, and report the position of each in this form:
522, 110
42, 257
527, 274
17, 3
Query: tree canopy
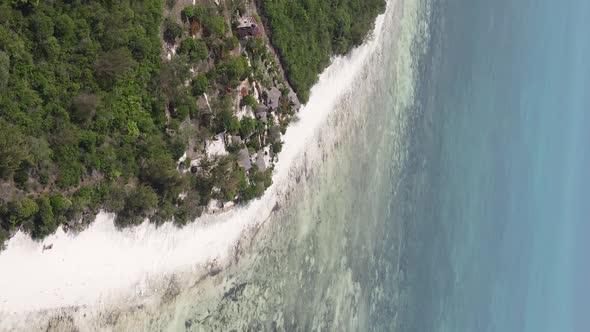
308, 32
93, 116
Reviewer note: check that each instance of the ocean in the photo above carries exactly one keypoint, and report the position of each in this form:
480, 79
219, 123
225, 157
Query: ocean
436, 181
498, 240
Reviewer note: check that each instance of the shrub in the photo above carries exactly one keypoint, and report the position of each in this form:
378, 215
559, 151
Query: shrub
249, 100
45, 219
247, 127
233, 125
215, 24
233, 70
231, 43
19, 211
138, 205
277, 147
59, 204
196, 49
172, 30
200, 84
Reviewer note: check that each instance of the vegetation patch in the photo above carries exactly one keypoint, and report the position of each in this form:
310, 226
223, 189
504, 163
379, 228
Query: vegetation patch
308, 32
110, 105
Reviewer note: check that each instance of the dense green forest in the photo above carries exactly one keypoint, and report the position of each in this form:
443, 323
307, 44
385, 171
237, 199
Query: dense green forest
308, 32
92, 115
80, 113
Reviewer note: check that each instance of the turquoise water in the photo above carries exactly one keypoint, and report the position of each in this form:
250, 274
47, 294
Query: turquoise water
503, 228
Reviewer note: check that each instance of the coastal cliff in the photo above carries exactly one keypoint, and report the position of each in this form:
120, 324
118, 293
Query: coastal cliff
159, 110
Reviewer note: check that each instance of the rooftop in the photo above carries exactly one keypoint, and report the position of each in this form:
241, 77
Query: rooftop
244, 159
246, 22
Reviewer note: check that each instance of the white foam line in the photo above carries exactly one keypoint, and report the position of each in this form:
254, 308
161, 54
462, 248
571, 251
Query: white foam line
101, 262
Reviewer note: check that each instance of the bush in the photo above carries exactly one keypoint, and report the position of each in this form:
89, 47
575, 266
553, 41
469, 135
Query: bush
112, 64
196, 49
233, 125
160, 172
21, 176
22, 210
249, 100
172, 30
231, 43
45, 219
139, 204
247, 127
277, 147
254, 143
215, 24
200, 84
233, 70
187, 13
59, 204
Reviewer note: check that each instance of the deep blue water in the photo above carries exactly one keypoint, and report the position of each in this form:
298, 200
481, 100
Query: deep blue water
501, 230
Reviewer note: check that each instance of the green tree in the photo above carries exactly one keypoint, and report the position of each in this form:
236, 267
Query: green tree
247, 126
113, 63
59, 204
139, 204
172, 30
187, 13
249, 100
200, 84
45, 219
215, 24
21, 210
160, 172
13, 149
233, 70
65, 29
25, 3
196, 49
231, 43
232, 125
42, 26
172, 75
277, 147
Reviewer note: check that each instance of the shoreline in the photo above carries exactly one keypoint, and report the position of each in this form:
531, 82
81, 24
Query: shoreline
332, 84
